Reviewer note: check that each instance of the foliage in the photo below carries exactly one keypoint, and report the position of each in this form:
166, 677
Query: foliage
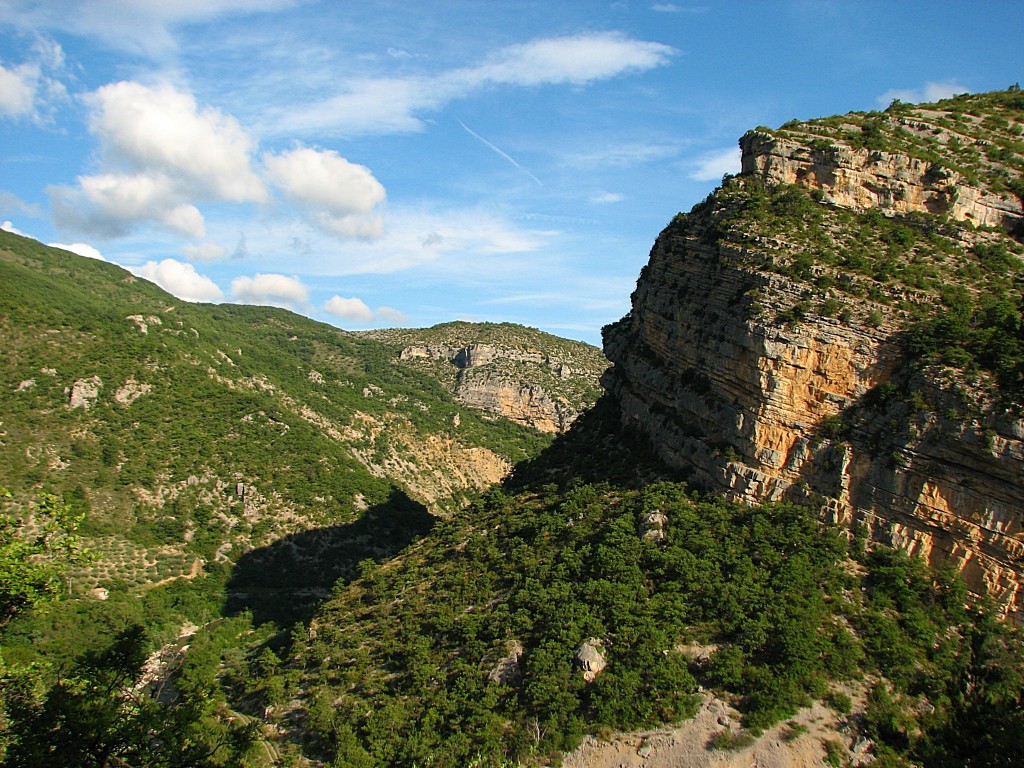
34, 555
101, 713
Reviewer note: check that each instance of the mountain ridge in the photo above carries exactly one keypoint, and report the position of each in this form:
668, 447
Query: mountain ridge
787, 340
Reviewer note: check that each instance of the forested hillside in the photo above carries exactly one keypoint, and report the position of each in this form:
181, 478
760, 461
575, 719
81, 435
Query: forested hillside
231, 536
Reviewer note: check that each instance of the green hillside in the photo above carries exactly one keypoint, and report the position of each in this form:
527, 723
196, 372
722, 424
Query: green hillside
190, 434
237, 537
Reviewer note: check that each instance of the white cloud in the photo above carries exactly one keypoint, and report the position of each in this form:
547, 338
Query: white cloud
340, 196
350, 309
714, 165
931, 92
161, 131
9, 227
357, 311
82, 249
391, 315
392, 105
576, 59
204, 251
180, 279
273, 290
18, 90
138, 26
31, 89
162, 155
605, 198
107, 205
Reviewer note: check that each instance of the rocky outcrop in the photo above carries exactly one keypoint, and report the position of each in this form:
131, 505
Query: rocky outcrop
590, 660
505, 395
527, 385
131, 391
865, 178
83, 392
753, 400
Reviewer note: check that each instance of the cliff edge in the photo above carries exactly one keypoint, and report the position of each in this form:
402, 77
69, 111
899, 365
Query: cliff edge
840, 325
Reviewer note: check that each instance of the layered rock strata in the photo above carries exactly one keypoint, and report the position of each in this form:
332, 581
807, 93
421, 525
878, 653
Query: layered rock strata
497, 380
815, 408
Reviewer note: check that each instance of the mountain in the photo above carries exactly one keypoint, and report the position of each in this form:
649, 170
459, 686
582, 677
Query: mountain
502, 368
191, 434
840, 325
827, 352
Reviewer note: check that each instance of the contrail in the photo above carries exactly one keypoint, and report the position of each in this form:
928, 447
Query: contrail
508, 157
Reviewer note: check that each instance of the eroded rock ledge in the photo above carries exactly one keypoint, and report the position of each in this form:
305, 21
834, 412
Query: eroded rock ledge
748, 405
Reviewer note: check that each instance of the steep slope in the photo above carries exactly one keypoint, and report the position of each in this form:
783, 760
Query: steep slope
192, 433
518, 373
841, 325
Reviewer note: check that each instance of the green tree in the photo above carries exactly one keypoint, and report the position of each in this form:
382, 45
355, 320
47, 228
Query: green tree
34, 558
101, 714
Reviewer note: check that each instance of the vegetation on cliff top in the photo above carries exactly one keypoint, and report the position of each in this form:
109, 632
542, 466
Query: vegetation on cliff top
955, 289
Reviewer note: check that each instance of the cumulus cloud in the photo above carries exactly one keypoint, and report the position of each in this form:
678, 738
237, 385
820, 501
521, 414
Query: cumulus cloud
272, 290
931, 92
714, 165
108, 205
350, 309
180, 279
162, 131
9, 227
162, 154
82, 249
393, 105
357, 311
391, 315
340, 196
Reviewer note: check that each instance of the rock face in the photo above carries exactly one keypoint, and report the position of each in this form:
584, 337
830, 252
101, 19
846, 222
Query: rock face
862, 178
485, 382
84, 392
754, 399
514, 372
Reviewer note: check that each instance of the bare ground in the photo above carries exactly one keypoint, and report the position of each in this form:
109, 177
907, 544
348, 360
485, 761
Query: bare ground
689, 745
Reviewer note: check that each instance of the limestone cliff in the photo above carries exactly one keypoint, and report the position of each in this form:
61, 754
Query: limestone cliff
521, 374
778, 344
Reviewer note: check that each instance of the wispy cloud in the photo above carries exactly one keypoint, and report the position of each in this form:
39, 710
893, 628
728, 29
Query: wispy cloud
615, 154
714, 165
396, 105
929, 93
145, 27
32, 89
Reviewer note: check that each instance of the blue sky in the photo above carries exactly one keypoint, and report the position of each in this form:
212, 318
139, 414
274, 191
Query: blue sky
373, 164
